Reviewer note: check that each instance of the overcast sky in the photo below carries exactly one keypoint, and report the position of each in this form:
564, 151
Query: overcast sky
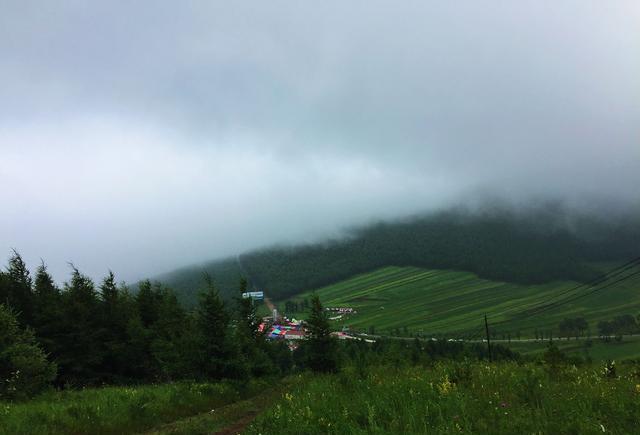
145, 135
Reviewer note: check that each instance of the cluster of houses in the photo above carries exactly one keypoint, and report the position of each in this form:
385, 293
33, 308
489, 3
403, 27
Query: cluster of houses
340, 312
282, 328
286, 329
278, 327
293, 330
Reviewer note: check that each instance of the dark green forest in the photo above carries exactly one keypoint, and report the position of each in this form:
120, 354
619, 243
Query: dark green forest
528, 248
187, 280
88, 334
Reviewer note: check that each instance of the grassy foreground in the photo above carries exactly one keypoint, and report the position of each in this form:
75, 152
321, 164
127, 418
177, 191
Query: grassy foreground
460, 397
116, 410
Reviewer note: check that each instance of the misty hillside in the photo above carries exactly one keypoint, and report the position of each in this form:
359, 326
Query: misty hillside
528, 248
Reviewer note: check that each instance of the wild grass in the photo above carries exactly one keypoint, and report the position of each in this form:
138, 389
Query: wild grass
116, 410
459, 397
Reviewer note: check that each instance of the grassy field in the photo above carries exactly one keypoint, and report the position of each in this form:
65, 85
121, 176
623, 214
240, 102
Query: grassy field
116, 410
597, 350
437, 301
460, 397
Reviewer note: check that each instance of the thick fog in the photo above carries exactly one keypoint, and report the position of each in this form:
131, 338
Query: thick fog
143, 136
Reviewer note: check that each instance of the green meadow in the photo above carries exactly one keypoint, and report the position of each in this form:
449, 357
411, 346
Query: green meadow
596, 349
432, 302
116, 410
460, 397
434, 397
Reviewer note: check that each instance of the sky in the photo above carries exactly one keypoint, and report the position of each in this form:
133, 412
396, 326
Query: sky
141, 136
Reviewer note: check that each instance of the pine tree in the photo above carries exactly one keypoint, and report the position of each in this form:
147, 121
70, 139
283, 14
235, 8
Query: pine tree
45, 288
137, 351
322, 349
147, 300
216, 353
143, 330
167, 336
114, 318
4, 288
109, 294
248, 320
20, 293
81, 349
251, 342
47, 316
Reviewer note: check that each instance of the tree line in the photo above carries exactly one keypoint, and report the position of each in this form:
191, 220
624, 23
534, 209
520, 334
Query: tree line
624, 324
86, 334
296, 306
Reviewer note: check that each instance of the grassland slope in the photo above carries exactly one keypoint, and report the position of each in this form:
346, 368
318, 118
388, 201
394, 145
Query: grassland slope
431, 301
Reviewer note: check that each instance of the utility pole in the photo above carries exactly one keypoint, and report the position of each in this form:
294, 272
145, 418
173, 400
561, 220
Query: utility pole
486, 328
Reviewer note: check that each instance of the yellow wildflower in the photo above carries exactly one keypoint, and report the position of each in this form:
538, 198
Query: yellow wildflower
446, 385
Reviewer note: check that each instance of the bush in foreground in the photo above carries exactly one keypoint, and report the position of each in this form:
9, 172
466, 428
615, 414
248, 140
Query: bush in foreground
24, 369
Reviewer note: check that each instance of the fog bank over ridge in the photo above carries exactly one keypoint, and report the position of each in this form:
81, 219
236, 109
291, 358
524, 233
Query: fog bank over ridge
144, 138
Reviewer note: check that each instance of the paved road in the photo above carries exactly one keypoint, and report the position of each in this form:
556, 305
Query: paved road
483, 340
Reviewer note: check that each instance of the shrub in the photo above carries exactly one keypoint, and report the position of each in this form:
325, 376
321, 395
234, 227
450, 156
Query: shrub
24, 369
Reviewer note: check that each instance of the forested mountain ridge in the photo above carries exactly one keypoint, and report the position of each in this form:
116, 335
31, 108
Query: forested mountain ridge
526, 248
188, 281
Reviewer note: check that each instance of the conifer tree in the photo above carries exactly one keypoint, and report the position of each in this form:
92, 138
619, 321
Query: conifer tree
212, 321
20, 293
82, 354
251, 342
248, 321
109, 294
322, 348
143, 329
114, 318
4, 288
45, 289
168, 335
147, 300
47, 316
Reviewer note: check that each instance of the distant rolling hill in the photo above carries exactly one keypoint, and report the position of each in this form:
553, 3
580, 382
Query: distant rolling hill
396, 300
541, 246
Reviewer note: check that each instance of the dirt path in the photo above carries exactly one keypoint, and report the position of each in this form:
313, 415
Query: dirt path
239, 426
259, 404
231, 419
269, 304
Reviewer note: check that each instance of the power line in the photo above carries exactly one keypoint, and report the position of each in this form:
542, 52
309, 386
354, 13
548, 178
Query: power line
594, 285
546, 307
612, 273
601, 279
446, 327
580, 296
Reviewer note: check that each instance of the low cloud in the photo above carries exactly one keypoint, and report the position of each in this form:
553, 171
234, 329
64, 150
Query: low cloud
144, 138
